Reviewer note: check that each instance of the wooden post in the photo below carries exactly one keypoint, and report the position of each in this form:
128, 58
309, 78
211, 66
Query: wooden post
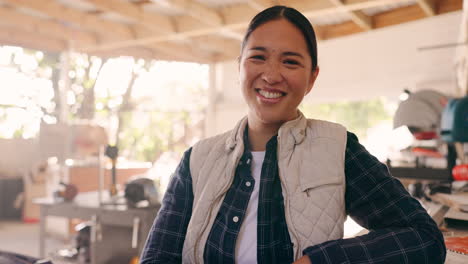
462, 53
210, 120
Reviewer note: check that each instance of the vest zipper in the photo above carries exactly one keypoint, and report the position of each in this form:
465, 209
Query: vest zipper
287, 206
223, 191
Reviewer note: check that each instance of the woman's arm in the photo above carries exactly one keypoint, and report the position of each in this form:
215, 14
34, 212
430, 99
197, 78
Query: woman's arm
401, 231
166, 238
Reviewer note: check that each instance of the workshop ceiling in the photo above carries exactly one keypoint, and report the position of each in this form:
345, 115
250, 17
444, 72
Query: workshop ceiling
202, 31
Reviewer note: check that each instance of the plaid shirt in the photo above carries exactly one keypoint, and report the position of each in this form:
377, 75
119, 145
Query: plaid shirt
273, 242
400, 229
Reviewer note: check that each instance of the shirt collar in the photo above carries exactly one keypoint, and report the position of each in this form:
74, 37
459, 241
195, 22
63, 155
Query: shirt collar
292, 132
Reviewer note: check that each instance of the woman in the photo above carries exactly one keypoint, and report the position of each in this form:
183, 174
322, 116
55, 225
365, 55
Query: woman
278, 187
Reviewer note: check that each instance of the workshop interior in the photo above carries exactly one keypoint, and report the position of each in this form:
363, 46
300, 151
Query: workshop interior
101, 98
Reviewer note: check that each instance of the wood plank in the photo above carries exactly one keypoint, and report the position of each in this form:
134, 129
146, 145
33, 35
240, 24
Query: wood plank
358, 17
196, 10
445, 6
390, 18
181, 52
134, 12
259, 5
217, 44
68, 15
46, 27
237, 17
428, 6
398, 16
15, 37
340, 30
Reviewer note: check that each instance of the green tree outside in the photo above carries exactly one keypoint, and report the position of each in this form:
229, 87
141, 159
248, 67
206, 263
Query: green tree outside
356, 116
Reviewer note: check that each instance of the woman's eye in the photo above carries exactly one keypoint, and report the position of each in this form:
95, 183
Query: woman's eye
258, 57
291, 62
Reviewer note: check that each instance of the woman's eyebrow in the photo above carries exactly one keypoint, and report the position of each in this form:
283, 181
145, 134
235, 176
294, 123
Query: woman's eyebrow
258, 48
286, 53
292, 53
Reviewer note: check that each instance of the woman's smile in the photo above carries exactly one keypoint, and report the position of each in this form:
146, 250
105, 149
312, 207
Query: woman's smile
269, 96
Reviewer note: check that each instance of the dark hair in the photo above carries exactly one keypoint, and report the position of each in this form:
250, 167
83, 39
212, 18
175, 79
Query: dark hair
293, 16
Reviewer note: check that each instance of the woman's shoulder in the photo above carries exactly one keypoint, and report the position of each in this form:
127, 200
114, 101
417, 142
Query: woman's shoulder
210, 141
326, 129
311, 122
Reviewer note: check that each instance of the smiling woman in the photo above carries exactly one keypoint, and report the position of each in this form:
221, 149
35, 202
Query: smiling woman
279, 186
276, 73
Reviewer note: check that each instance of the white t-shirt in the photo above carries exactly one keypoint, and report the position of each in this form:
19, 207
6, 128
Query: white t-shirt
246, 245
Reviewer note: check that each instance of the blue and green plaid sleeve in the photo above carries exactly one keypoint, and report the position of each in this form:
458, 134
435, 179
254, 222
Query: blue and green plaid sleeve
401, 231
166, 238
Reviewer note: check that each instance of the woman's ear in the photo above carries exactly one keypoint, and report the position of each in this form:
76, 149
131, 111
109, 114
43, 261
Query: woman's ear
312, 79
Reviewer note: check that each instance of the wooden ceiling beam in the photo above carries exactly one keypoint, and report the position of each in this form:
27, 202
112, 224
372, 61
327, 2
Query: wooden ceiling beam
68, 15
194, 9
15, 37
448, 6
236, 18
360, 4
134, 12
319, 8
339, 30
46, 27
390, 18
182, 52
230, 22
136, 52
189, 25
260, 5
398, 16
217, 44
358, 17
428, 6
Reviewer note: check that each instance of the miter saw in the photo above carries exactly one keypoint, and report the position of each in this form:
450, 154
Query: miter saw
438, 124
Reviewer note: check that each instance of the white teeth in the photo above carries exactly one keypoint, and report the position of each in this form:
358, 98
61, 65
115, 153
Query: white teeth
269, 95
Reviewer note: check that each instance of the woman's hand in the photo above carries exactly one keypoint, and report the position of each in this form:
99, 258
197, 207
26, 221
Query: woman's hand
303, 260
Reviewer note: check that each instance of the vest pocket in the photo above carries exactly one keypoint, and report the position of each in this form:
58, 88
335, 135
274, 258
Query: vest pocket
308, 186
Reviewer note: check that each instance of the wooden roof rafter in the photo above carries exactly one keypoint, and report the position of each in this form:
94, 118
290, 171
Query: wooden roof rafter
57, 11
196, 31
32, 24
428, 6
358, 17
152, 21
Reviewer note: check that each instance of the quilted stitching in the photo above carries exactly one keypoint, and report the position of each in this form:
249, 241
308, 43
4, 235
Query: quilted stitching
319, 221
316, 218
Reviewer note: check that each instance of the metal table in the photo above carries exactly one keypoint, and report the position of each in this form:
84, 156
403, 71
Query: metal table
117, 231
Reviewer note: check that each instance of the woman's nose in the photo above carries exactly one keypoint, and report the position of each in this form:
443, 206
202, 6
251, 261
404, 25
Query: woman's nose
272, 73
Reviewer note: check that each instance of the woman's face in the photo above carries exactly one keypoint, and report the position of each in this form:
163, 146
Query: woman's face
275, 72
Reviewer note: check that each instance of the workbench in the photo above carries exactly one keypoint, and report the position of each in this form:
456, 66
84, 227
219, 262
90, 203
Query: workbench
118, 233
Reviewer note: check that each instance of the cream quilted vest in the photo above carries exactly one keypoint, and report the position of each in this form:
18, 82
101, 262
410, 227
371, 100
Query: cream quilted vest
311, 169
